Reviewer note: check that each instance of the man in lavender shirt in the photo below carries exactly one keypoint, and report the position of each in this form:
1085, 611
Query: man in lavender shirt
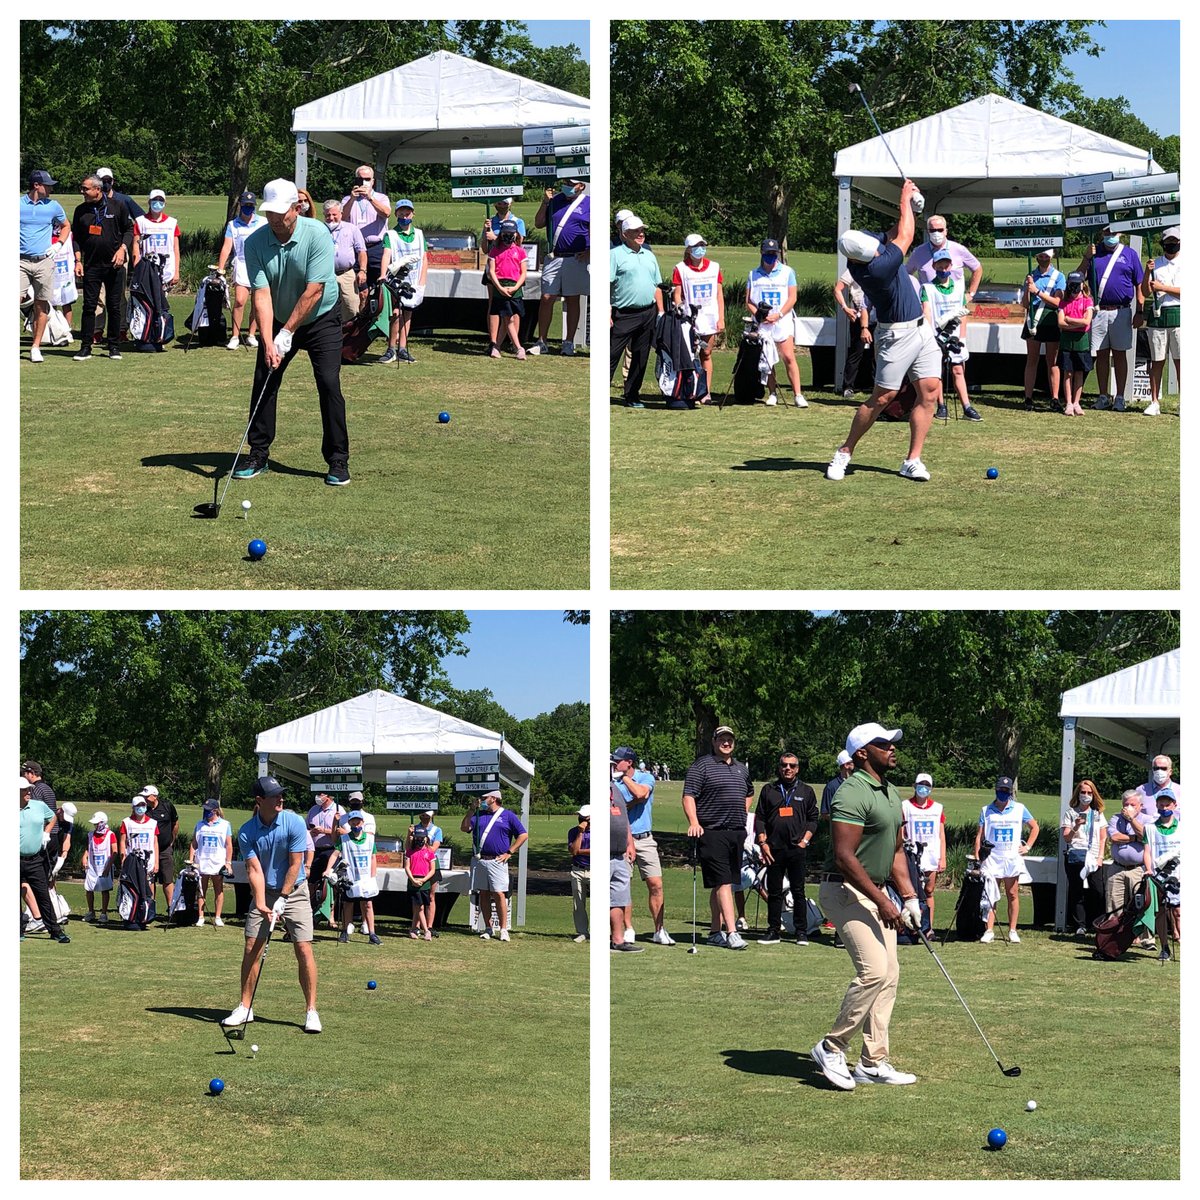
920, 260
496, 835
349, 258
369, 210
1161, 769
1127, 839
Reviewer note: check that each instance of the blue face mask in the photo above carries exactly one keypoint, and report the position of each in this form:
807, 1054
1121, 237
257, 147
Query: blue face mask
404, 222
1002, 798
769, 261
923, 791
247, 210
568, 189
697, 252
1111, 240
157, 205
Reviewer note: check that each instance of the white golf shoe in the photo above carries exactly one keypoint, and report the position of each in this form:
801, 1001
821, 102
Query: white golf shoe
1151, 409
882, 1072
200, 922
218, 923
629, 936
915, 469
251, 341
240, 1016
1013, 936
800, 401
504, 935
772, 400
833, 1066
662, 938
312, 1023
234, 343
990, 936
837, 466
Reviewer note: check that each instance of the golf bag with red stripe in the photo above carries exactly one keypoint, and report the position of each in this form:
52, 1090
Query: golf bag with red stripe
135, 897
1116, 930
357, 334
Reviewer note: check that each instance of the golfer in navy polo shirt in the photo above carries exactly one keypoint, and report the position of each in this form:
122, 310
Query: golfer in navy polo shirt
904, 343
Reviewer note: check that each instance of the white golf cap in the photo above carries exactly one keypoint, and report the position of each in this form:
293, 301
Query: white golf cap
585, 811
1173, 232
858, 246
427, 812
70, 811
924, 777
355, 796
843, 758
623, 214
631, 222
860, 735
140, 798
694, 239
158, 194
1046, 253
278, 196
489, 795
99, 818
103, 173
149, 790
25, 783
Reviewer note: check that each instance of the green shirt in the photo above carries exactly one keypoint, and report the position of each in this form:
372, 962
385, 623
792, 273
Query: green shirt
287, 268
861, 800
35, 816
633, 277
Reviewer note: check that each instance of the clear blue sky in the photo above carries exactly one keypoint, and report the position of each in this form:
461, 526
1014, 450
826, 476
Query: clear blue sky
1124, 69
561, 33
530, 661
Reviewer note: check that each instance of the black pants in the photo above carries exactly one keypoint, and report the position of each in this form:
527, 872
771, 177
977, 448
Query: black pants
789, 861
374, 261
111, 279
854, 355
323, 341
1079, 912
35, 871
633, 328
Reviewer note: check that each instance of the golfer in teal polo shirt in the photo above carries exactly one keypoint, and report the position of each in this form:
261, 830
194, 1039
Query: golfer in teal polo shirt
295, 295
637, 301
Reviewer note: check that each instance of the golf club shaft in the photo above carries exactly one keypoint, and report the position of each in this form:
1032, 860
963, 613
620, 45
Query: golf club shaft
929, 947
863, 97
238, 454
262, 962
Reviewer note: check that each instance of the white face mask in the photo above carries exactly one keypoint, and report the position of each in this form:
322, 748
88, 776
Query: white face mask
1160, 776
937, 237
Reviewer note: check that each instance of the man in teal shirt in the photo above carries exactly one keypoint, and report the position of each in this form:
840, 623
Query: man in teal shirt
637, 302
296, 305
37, 819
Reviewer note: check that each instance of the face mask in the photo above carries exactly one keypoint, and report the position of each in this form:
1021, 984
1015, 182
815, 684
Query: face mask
304, 208
210, 816
1160, 776
333, 226
357, 831
404, 222
1166, 815
1002, 798
568, 189
1111, 240
769, 261
106, 186
247, 210
102, 827
942, 276
697, 252
1074, 289
922, 791
937, 237
139, 810
1170, 249
157, 205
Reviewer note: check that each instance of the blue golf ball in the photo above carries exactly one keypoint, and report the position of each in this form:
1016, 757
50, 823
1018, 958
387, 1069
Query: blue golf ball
371, 985
997, 1138
992, 473
444, 418
257, 549
216, 1086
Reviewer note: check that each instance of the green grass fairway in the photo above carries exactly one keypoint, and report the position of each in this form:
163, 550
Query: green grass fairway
115, 455
470, 1061
738, 499
712, 1078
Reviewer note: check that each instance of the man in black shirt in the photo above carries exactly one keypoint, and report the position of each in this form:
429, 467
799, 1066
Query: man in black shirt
785, 822
164, 813
717, 794
100, 229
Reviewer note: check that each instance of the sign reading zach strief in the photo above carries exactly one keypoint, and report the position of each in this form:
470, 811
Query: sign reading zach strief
477, 771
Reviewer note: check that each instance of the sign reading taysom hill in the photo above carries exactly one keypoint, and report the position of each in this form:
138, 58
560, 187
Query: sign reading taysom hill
477, 771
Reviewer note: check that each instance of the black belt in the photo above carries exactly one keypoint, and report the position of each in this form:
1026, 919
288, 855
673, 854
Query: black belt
36, 257
639, 836
639, 309
1114, 307
488, 857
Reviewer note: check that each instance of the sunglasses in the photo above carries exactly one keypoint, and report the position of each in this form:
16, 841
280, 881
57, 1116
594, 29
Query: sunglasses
883, 743
789, 766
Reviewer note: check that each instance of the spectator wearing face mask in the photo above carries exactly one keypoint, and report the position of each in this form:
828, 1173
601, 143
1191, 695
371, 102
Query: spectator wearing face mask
941, 303
306, 207
245, 222
566, 216
1084, 833
1161, 779
349, 259
697, 281
1003, 823
369, 210
1162, 286
920, 260
1115, 275
925, 824
158, 233
1127, 841
138, 838
773, 283
506, 267
1041, 297
404, 244
1075, 315
1164, 844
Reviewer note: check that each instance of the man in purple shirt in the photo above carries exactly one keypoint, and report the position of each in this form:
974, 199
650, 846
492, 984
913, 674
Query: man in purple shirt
496, 835
920, 261
369, 210
1115, 275
1161, 770
349, 258
566, 216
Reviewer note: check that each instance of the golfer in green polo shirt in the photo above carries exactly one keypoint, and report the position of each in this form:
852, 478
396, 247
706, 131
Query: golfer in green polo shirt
296, 304
867, 852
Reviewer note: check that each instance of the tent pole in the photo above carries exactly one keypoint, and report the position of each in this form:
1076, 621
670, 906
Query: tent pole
301, 159
841, 329
523, 857
1066, 786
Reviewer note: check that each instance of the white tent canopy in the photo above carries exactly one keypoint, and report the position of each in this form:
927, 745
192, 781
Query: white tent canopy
422, 110
1131, 715
392, 733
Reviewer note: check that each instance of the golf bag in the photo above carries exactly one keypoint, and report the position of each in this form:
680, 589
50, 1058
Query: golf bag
681, 377
135, 897
912, 855
1116, 930
813, 917
62, 910
207, 320
150, 320
185, 900
357, 333
58, 331
952, 348
969, 921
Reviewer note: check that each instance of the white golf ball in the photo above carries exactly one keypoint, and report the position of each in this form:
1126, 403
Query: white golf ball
1031, 1106
245, 503
254, 1050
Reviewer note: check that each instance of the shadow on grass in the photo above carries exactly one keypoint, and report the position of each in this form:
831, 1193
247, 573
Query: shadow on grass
791, 464
785, 1063
209, 1016
216, 465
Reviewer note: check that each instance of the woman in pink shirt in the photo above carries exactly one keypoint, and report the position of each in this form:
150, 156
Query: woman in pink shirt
506, 280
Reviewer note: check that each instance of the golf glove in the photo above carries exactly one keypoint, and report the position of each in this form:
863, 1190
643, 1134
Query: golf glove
283, 341
911, 913
279, 905
58, 866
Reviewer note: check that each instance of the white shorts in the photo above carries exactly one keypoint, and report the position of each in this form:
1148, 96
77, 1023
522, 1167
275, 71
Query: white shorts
240, 275
1003, 868
779, 331
910, 352
565, 277
488, 875
1164, 342
1112, 329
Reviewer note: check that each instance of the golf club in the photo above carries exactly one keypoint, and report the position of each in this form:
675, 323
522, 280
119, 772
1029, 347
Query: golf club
1011, 1072
918, 201
213, 510
693, 854
238, 1033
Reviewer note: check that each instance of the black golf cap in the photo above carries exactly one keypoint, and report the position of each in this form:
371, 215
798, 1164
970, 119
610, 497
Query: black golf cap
42, 177
1004, 784
508, 227
247, 198
1075, 279
769, 246
268, 786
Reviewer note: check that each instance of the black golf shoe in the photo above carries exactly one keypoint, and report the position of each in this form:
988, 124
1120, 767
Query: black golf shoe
941, 414
339, 473
254, 466
971, 414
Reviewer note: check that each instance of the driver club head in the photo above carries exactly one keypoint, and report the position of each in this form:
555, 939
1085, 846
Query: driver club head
209, 511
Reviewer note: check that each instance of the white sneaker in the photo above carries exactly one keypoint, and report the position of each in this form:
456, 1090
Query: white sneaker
538, 347
772, 400
662, 938
1013, 936
800, 401
914, 468
35, 925
741, 924
312, 1023
735, 941
1151, 409
630, 936
240, 1016
882, 1072
35, 354
833, 1066
218, 923
568, 349
990, 936
580, 937
349, 928
1102, 402
251, 341
485, 936
504, 935
234, 343
200, 922
837, 465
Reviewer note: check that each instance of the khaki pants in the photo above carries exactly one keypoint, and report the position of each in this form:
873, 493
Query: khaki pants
347, 283
579, 896
1121, 885
869, 999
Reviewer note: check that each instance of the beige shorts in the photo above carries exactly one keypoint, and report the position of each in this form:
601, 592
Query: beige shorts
1164, 342
910, 352
38, 275
649, 865
565, 277
297, 915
